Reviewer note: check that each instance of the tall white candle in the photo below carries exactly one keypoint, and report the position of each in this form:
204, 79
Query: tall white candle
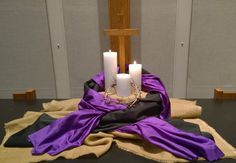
135, 71
123, 88
110, 67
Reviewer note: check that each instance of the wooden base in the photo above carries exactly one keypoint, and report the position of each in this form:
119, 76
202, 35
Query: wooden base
28, 95
222, 95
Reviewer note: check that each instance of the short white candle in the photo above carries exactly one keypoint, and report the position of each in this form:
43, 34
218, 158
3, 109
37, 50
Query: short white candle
123, 88
110, 67
135, 71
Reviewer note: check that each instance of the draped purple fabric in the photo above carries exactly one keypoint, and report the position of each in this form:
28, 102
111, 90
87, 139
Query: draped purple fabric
180, 143
70, 131
99, 78
153, 84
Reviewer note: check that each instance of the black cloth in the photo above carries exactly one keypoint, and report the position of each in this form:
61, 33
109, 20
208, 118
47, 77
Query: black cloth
189, 127
19, 139
91, 84
143, 108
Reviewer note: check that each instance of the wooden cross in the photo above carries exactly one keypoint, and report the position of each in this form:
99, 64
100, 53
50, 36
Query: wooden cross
120, 32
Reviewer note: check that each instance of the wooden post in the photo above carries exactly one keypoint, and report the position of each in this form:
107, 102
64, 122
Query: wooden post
121, 56
121, 34
119, 16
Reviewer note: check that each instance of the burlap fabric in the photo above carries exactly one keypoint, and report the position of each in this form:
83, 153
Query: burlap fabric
100, 143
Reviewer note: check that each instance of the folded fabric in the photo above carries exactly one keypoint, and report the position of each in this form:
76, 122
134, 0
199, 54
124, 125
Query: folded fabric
66, 105
20, 139
143, 108
108, 123
184, 109
100, 143
183, 144
71, 131
179, 108
189, 127
148, 106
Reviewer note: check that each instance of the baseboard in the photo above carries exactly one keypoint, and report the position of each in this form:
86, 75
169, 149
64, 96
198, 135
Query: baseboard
41, 93
207, 91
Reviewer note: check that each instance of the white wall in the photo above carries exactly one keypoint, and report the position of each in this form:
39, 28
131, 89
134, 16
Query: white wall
158, 23
84, 22
26, 57
25, 50
83, 42
212, 54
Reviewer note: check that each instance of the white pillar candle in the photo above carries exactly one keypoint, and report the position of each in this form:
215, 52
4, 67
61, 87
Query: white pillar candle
123, 88
135, 71
110, 68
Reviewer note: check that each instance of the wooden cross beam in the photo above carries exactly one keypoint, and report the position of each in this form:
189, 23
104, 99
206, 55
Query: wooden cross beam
121, 34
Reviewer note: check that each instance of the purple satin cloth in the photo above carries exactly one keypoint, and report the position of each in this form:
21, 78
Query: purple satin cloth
99, 78
70, 131
182, 144
153, 84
